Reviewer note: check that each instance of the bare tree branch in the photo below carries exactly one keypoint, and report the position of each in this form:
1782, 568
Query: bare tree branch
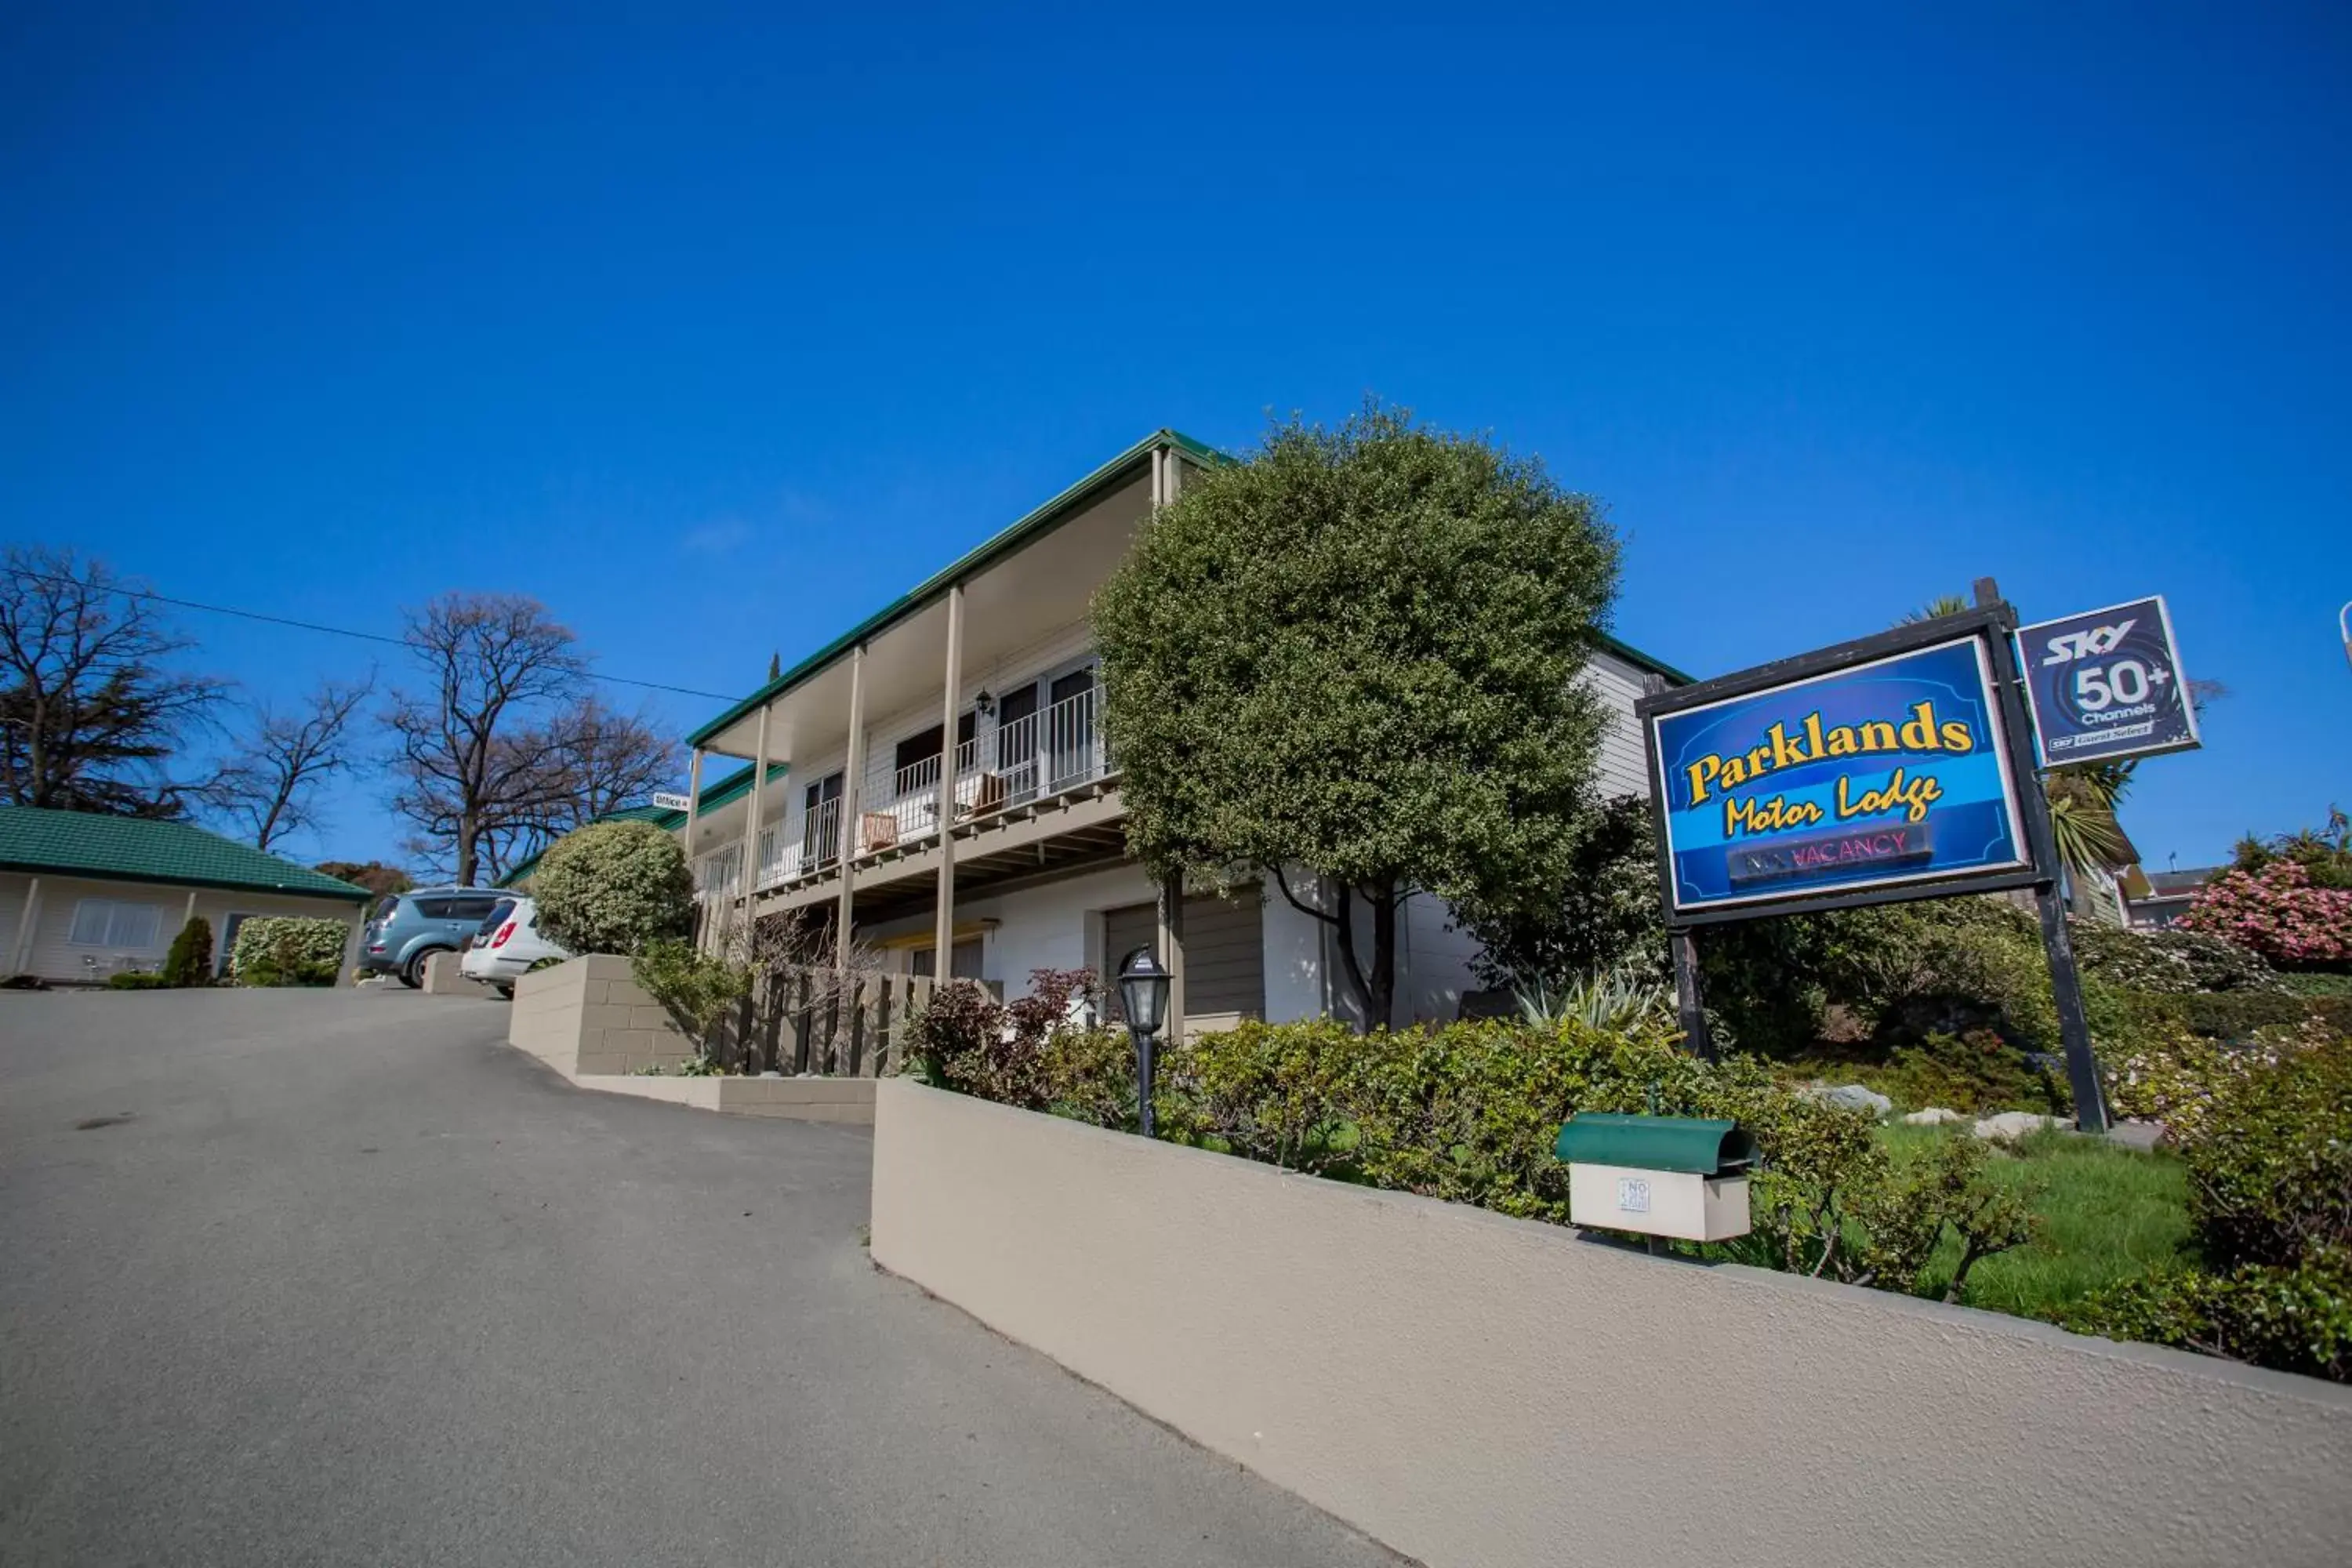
88, 714
268, 789
466, 759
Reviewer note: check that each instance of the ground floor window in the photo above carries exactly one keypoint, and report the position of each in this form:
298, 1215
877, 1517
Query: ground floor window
963, 961
227, 943
114, 922
1224, 951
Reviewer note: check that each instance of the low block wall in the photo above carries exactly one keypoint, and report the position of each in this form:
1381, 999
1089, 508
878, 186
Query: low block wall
590, 1015
590, 1020
1470, 1389
849, 1100
444, 978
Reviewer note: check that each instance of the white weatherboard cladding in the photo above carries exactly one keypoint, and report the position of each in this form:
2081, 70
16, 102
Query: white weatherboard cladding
1623, 763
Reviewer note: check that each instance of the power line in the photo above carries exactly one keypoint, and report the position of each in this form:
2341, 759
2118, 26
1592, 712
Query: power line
331, 631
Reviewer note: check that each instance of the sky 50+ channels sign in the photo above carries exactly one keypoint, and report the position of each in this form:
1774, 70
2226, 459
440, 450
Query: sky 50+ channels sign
2108, 684
1890, 771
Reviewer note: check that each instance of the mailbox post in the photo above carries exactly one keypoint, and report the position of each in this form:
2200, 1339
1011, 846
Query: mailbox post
1661, 1175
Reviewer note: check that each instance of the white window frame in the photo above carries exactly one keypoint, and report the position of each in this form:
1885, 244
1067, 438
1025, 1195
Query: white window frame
109, 915
226, 946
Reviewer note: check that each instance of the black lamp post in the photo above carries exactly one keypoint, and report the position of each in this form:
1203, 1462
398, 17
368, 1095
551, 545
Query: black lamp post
1143, 997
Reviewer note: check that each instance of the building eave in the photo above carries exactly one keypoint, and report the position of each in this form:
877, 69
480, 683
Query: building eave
353, 895
1037, 523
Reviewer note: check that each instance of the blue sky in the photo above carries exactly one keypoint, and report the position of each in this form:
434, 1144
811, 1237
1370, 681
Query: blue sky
715, 329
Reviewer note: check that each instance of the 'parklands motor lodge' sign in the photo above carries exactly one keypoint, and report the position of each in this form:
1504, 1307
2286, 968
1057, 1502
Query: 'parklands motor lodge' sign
1886, 768
1901, 766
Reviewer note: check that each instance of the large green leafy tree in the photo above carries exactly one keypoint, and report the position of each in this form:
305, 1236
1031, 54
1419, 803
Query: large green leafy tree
1356, 652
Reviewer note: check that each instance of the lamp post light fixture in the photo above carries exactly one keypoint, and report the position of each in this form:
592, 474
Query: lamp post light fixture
1143, 997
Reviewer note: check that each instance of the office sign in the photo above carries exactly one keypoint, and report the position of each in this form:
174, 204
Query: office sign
668, 802
1883, 769
2108, 684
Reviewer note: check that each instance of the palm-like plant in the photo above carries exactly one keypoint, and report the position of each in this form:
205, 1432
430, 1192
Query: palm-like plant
1941, 605
1616, 999
2083, 826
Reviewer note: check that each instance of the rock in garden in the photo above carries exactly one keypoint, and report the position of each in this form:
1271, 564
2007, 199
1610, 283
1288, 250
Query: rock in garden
1854, 1097
2014, 1124
1934, 1116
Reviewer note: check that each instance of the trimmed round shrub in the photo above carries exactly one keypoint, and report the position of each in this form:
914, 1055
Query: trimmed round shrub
288, 950
614, 886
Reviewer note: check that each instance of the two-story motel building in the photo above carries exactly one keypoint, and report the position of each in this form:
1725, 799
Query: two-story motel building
937, 778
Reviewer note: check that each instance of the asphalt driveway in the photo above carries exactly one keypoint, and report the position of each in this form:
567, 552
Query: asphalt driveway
336, 1278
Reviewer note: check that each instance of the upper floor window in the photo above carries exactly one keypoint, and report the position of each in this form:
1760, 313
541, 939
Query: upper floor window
114, 922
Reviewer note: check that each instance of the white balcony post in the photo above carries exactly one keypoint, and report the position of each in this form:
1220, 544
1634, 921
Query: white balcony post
747, 868
24, 932
942, 967
693, 806
853, 776
1172, 951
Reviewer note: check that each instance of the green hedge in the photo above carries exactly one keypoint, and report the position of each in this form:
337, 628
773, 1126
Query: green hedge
288, 950
1469, 1113
2235, 1016
2266, 1130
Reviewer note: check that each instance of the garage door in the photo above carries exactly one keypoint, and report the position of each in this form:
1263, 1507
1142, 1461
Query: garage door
1225, 951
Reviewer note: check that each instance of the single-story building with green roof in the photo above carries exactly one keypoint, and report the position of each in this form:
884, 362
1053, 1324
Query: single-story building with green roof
84, 895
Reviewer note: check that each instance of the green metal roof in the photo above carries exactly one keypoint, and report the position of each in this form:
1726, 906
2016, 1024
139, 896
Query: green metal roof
1635, 657
1044, 520
134, 849
1693, 1145
654, 813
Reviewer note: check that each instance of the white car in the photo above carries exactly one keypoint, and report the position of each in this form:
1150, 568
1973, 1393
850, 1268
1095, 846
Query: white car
506, 946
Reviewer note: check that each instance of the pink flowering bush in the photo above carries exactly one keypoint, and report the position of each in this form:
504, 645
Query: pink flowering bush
2278, 913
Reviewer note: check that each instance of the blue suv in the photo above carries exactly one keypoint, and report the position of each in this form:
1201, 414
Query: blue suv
409, 928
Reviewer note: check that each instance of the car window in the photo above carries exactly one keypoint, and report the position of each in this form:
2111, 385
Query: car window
497, 917
432, 909
475, 907
383, 909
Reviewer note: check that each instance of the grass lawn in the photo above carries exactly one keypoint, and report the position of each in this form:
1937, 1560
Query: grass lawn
2107, 1214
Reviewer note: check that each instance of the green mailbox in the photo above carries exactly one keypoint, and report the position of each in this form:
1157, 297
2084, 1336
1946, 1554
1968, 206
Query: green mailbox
1682, 1177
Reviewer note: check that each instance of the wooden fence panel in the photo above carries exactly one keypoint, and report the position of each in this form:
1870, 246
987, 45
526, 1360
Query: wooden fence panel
802, 1021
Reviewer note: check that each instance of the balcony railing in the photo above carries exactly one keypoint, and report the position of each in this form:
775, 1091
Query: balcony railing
1033, 757
718, 875
1024, 760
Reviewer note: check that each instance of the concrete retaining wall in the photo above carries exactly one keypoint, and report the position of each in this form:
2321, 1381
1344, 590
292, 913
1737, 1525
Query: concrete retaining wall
589, 1016
444, 978
849, 1100
1470, 1389
590, 1020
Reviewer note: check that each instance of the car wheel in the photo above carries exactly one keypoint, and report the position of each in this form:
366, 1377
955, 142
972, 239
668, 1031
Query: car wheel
505, 990
412, 974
